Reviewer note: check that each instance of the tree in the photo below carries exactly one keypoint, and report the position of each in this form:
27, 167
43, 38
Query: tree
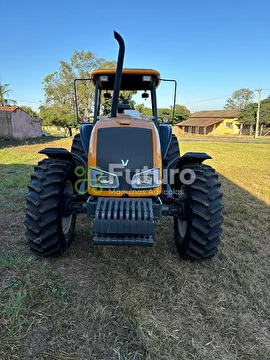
248, 115
143, 110
181, 114
59, 105
164, 113
57, 116
29, 111
125, 97
239, 99
4, 92
265, 112
267, 100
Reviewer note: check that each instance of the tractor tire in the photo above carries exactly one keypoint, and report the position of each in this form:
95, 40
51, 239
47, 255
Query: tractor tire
47, 231
81, 166
198, 237
173, 151
77, 149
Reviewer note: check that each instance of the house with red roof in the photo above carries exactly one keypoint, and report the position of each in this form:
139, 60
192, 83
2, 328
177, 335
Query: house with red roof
16, 123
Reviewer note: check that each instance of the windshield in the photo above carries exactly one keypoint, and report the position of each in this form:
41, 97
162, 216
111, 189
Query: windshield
140, 102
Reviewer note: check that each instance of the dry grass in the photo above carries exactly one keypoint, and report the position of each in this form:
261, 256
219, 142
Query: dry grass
140, 303
245, 164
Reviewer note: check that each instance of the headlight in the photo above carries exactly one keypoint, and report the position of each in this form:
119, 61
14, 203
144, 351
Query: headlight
102, 179
147, 179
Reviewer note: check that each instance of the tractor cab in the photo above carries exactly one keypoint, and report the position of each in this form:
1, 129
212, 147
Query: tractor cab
136, 81
132, 79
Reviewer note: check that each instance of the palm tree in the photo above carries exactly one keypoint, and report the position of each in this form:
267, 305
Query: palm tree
4, 92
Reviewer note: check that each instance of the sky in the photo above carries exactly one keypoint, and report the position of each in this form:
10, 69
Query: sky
211, 48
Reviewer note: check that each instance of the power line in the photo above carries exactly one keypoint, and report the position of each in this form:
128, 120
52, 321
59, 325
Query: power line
27, 101
218, 98
193, 102
200, 101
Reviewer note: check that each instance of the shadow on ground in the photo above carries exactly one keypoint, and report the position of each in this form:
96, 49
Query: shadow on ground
10, 142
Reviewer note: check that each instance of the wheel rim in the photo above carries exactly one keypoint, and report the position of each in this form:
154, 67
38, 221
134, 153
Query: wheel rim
67, 221
182, 227
182, 224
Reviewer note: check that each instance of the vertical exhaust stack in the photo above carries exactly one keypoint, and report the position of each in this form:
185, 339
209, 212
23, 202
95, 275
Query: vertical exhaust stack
118, 75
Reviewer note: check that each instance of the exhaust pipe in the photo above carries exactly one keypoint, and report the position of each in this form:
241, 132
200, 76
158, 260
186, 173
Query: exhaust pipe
118, 75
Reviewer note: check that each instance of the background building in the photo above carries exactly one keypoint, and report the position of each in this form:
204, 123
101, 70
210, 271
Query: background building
16, 123
216, 122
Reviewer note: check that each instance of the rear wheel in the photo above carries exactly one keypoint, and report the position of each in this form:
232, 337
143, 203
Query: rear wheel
197, 236
48, 230
81, 172
77, 149
173, 151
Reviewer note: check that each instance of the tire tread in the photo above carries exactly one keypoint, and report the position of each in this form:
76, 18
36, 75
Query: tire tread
205, 215
43, 218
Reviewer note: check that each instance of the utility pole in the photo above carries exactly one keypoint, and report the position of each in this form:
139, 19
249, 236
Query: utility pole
258, 113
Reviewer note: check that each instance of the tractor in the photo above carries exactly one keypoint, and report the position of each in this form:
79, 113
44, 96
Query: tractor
124, 172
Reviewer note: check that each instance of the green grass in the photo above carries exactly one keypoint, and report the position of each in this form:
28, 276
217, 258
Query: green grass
14, 261
225, 138
10, 142
16, 164
245, 164
140, 303
12, 311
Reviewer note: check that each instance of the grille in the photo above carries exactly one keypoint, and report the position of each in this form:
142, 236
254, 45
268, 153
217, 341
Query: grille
131, 146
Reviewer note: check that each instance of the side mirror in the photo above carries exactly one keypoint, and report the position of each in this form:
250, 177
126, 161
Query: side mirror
107, 96
145, 95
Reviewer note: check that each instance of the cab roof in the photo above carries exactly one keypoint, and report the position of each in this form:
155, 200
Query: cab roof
132, 79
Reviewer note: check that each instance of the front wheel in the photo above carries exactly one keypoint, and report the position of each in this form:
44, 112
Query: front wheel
197, 234
48, 230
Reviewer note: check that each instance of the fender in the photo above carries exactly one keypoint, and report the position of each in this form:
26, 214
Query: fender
60, 153
193, 157
189, 158
165, 134
85, 132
